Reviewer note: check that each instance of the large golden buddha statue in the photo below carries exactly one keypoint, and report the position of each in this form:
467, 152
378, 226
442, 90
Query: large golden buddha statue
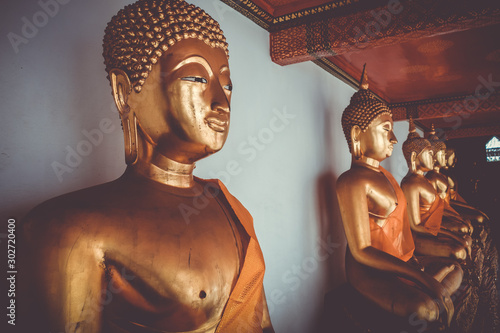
379, 258
426, 207
157, 250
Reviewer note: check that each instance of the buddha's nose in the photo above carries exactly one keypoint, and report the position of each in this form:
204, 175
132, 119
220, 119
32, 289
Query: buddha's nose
220, 101
393, 138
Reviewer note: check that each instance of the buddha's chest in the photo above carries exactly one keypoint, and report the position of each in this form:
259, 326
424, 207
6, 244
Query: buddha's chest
382, 199
428, 194
176, 264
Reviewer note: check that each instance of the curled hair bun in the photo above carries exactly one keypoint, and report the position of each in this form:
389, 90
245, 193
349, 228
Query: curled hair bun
436, 143
363, 108
139, 34
414, 143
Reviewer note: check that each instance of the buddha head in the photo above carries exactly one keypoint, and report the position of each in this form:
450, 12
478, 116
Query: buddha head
438, 147
451, 157
167, 62
367, 125
417, 151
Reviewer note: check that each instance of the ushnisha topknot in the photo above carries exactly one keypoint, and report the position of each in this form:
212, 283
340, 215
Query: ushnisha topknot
363, 108
436, 144
140, 33
414, 143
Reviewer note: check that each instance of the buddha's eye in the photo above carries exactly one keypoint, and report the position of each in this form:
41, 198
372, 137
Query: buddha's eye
194, 79
229, 87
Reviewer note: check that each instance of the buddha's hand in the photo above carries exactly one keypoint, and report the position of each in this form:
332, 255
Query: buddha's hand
468, 242
469, 229
465, 241
442, 297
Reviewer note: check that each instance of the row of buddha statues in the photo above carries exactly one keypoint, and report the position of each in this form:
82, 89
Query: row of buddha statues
407, 243
160, 250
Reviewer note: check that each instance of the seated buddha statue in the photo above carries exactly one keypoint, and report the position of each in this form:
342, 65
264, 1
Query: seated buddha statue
453, 221
156, 250
380, 263
454, 199
425, 206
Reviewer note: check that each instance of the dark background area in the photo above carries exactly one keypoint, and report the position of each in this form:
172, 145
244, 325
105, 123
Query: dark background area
478, 180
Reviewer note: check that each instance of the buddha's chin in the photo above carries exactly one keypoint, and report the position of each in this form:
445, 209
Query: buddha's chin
216, 143
213, 148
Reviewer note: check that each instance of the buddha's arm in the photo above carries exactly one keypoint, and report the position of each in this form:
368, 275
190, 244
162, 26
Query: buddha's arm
354, 210
412, 194
69, 281
454, 215
352, 197
267, 326
451, 183
452, 235
465, 205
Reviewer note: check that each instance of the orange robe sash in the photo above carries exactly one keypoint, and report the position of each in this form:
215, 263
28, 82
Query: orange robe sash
244, 309
431, 219
394, 237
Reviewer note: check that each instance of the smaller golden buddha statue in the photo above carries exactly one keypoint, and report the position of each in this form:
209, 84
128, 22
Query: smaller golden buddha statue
454, 199
379, 259
156, 250
425, 206
453, 221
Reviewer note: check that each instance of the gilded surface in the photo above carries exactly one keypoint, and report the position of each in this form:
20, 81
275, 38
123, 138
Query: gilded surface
425, 207
370, 198
157, 250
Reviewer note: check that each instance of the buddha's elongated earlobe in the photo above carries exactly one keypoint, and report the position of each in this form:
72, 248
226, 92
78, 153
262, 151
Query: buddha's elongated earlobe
122, 88
413, 164
356, 149
355, 143
130, 135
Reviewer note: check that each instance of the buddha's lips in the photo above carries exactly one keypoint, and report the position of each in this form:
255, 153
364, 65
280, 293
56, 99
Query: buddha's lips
218, 124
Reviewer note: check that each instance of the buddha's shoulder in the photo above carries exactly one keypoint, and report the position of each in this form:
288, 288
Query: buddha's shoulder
355, 177
432, 175
73, 207
414, 180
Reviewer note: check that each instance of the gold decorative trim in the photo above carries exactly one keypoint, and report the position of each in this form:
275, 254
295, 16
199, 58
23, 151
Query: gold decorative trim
313, 11
250, 10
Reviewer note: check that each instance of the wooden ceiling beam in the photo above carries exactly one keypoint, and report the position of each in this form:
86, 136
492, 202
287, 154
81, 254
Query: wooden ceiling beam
398, 21
472, 132
453, 109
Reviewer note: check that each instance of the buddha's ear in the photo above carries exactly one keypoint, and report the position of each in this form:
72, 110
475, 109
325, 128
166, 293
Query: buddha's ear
355, 132
121, 86
355, 143
121, 89
413, 161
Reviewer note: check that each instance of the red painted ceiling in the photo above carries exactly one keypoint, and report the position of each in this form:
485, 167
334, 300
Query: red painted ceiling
415, 72
434, 67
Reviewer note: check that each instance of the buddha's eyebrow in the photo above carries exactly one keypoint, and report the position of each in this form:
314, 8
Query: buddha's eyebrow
195, 59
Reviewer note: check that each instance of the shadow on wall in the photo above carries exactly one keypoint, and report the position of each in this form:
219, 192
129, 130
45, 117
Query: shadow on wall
328, 212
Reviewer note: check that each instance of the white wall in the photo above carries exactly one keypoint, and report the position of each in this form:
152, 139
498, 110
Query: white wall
397, 164
55, 87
